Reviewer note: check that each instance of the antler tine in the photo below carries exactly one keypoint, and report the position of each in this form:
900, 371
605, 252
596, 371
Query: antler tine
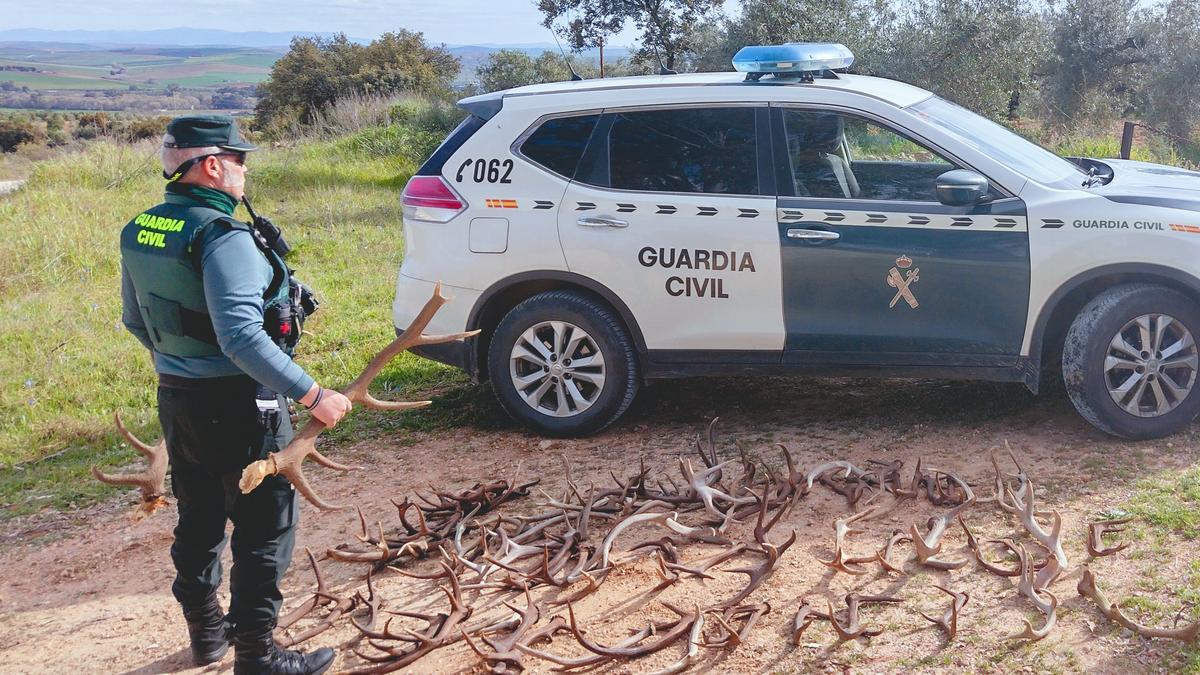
1087, 587
1029, 633
853, 628
152, 481
680, 628
413, 336
804, 618
842, 527
929, 546
287, 461
1051, 540
147, 451
949, 621
1095, 544
694, 641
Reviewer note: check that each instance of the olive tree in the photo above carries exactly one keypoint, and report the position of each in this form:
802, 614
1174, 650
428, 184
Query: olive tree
1091, 74
1172, 74
982, 54
669, 28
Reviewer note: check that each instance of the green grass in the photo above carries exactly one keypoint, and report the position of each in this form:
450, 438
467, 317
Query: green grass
1167, 503
1170, 500
64, 81
215, 79
69, 364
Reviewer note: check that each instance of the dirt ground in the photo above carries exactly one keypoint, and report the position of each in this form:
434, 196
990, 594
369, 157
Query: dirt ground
89, 591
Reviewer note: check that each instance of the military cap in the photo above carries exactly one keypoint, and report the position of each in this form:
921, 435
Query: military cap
202, 131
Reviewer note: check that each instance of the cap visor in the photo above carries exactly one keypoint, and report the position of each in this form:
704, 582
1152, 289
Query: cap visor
239, 147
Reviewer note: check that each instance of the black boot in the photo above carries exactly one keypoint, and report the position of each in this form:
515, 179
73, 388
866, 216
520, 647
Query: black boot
208, 630
257, 654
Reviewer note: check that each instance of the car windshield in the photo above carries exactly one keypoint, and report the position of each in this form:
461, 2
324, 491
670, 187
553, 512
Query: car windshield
996, 141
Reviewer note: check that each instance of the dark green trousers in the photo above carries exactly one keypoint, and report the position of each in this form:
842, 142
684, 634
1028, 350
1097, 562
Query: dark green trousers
214, 429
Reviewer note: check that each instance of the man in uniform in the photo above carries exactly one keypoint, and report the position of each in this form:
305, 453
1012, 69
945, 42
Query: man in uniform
211, 299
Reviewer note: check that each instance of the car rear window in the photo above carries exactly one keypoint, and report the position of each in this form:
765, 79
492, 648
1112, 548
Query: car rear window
559, 142
710, 150
456, 139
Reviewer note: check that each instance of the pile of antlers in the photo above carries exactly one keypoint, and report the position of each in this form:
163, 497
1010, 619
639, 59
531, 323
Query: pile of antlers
568, 546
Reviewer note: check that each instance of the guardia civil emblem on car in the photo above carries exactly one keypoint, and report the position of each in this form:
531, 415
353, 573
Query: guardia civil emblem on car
902, 280
790, 217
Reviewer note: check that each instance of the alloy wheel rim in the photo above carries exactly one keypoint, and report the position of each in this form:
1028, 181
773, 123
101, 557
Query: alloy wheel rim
557, 368
1150, 367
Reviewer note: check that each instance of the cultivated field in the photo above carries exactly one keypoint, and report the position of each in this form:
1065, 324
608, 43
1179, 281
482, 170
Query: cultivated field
79, 67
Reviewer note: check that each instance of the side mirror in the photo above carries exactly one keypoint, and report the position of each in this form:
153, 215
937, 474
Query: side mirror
961, 188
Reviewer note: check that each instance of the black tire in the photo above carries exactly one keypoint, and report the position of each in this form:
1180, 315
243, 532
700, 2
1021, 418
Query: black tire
605, 332
1087, 346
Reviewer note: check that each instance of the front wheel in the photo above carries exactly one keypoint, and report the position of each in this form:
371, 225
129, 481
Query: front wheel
561, 362
1130, 361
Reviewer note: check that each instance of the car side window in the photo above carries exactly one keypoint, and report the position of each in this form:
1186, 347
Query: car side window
709, 150
559, 143
833, 155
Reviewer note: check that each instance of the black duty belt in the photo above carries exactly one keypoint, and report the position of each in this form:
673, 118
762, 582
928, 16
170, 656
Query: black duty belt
206, 383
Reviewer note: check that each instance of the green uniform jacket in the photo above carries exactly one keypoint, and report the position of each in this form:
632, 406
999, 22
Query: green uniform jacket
191, 275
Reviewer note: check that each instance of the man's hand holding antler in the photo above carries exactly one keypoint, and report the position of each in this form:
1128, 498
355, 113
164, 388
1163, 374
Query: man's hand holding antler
328, 406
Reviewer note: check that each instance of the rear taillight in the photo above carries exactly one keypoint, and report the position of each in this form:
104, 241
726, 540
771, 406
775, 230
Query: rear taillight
430, 198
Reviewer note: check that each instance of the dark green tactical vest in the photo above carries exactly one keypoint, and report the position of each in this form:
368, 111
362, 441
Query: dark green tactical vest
161, 251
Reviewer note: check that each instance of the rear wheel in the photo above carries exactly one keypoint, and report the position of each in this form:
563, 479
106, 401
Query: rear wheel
562, 363
1130, 361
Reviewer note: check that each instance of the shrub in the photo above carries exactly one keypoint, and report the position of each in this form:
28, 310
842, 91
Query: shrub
14, 132
142, 128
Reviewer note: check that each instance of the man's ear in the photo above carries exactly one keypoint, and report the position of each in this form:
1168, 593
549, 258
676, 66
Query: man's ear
211, 166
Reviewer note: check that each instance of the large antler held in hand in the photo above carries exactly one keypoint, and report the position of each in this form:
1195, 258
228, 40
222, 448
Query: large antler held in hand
151, 482
287, 461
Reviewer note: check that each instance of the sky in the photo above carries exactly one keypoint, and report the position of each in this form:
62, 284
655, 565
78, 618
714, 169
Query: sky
449, 21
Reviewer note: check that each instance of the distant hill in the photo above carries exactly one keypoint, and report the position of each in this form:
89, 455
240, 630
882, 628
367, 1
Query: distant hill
172, 69
81, 40
163, 37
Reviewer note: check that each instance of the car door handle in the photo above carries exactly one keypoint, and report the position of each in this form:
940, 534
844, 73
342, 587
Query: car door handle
812, 235
602, 221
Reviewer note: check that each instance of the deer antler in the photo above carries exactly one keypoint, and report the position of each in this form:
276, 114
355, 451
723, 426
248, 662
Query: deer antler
804, 618
287, 461
695, 638
320, 596
930, 545
853, 629
842, 528
1029, 588
1051, 540
1088, 588
150, 482
682, 626
949, 621
759, 572
1095, 545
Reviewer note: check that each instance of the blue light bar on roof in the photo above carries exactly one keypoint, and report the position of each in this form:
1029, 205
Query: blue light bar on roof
795, 57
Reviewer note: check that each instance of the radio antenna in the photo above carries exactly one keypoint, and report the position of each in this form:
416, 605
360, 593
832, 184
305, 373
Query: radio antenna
574, 75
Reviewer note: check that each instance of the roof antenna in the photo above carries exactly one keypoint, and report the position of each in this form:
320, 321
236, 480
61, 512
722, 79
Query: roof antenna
574, 75
662, 70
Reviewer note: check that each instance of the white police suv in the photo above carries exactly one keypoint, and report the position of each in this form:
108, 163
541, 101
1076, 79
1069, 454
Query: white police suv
790, 219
